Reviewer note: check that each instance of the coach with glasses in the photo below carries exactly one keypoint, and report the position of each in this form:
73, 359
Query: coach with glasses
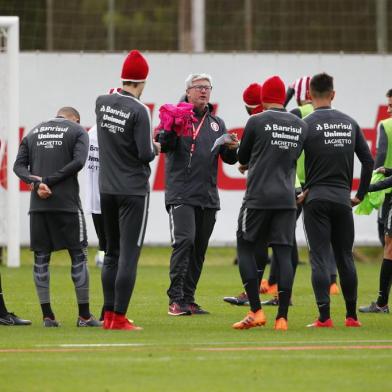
191, 194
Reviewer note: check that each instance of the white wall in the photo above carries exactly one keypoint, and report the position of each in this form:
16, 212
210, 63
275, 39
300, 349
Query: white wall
49, 81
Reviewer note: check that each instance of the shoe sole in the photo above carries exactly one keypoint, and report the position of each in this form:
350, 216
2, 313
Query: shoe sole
127, 329
261, 324
236, 303
319, 326
179, 314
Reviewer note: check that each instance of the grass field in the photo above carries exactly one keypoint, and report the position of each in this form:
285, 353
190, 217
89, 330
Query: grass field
197, 353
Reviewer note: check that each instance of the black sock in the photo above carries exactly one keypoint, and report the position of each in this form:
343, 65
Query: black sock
84, 310
323, 308
47, 311
351, 309
3, 308
385, 282
284, 296
252, 290
333, 279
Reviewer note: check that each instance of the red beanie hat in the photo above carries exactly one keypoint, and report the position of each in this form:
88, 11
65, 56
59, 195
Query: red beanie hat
252, 95
135, 68
273, 91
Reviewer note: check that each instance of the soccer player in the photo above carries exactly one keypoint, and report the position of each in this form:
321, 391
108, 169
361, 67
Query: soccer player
8, 318
270, 146
252, 100
300, 89
333, 139
49, 158
92, 200
191, 194
125, 150
384, 159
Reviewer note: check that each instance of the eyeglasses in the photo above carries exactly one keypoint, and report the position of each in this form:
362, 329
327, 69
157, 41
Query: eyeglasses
202, 88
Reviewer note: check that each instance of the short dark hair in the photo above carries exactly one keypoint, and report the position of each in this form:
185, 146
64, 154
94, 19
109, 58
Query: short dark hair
321, 84
389, 93
68, 110
132, 84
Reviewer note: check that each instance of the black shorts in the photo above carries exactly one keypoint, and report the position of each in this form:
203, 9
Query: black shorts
51, 231
276, 227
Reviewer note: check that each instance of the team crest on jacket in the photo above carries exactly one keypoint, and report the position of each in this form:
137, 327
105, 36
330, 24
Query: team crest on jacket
215, 126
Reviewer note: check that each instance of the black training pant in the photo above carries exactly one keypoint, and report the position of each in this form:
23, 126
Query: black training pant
125, 219
100, 230
190, 228
327, 224
274, 268
275, 227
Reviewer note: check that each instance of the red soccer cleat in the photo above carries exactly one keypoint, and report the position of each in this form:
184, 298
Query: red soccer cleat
120, 322
320, 324
350, 322
107, 319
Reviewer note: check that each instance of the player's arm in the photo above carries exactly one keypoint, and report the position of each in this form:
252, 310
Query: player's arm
382, 147
378, 186
22, 164
143, 136
79, 157
245, 150
363, 153
228, 152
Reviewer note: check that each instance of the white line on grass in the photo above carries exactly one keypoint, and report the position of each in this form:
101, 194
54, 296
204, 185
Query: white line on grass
231, 343
94, 345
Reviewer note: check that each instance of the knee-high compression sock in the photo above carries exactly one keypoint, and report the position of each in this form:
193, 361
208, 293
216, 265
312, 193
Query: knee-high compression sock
385, 282
3, 308
261, 257
80, 278
324, 310
282, 255
351, 309
42, 280
294, 257
248, 271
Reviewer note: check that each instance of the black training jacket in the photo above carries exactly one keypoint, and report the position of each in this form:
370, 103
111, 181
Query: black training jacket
334, 138
125, 144
55, 150
271, 144
193, 182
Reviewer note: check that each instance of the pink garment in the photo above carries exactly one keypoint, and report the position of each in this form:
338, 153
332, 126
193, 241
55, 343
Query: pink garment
178, 118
